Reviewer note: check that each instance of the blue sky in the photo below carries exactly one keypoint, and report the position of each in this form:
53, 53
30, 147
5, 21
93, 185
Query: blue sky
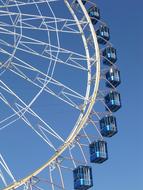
124, 169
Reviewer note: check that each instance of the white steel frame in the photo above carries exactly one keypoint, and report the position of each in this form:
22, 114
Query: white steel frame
87, 107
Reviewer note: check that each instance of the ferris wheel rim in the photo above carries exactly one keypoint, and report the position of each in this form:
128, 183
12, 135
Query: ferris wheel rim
76, 130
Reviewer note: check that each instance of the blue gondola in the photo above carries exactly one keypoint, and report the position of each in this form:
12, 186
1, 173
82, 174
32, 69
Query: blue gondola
98, 151
108, 126
110, 56
113, 101
82, 177
94, 14
103, 34
113, 78
83, 1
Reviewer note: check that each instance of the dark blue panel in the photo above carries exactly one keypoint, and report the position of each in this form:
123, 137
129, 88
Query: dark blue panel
113, 78
98, 151
103, 34
113, 101
110, 56
108, 126
94, 14
82, 178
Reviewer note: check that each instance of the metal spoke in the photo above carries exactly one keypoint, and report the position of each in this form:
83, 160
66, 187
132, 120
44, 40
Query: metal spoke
72, 59
27, 108
37, 55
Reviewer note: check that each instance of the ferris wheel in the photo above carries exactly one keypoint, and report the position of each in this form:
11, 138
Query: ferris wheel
58, 80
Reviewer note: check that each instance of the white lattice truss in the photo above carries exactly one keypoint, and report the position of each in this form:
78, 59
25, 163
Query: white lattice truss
64, 159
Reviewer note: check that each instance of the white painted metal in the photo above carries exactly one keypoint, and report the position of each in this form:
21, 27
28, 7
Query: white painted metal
88, 102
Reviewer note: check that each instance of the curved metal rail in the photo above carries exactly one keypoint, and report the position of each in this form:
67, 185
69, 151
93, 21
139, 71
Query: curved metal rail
77, 129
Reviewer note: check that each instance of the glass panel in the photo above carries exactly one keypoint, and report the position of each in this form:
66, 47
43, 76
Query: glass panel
102, 147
